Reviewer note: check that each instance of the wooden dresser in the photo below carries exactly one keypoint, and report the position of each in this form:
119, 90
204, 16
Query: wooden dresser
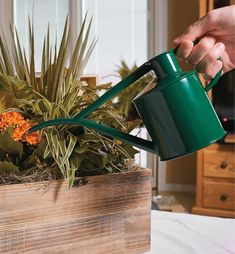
215, 192
215, 187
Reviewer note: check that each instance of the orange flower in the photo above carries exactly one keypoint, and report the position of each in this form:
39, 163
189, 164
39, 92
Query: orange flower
20, 126
10, 119
33, 138
17, 134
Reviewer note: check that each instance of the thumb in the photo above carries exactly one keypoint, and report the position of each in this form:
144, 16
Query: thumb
197, 30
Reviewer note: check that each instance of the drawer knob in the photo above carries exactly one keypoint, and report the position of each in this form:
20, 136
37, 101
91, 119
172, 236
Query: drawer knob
223, 164
223, 197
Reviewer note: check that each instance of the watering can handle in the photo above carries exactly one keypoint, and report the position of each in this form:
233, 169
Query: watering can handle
215, 79
79, 119
130, 79
217, 76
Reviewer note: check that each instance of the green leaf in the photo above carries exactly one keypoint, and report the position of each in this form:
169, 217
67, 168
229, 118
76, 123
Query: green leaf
87, 138
70, 148
31, 56
8, 145
80, 59
78, 158
81, 149
17, 54
40, 150
6, 101
47, 152
15, 87
30, 162
8, 167
6, 57
75, 55
55, 87
71, 176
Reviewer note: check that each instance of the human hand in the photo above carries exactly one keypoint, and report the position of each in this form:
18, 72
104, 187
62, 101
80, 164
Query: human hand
216, 32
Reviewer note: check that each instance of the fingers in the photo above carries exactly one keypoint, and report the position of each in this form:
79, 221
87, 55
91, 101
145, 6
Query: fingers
204, 55
212, 29
209, 65
200, 50
212, 70
185, 49
194, 54
211, 57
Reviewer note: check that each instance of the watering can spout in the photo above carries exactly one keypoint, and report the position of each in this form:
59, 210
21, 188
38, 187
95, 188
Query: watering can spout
109, 131
80, 119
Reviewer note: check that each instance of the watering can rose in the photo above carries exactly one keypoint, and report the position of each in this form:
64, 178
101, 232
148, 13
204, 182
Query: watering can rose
19, 126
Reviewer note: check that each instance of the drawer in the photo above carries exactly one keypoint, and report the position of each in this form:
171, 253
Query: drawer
219, 161
218, 195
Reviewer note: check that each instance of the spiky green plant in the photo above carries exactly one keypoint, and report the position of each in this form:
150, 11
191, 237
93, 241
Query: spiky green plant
125, 98
58, 92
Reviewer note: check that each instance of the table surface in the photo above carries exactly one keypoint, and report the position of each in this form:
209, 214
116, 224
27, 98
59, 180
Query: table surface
178, 233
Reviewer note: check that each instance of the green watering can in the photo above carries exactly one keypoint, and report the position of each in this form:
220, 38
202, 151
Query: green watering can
177, 112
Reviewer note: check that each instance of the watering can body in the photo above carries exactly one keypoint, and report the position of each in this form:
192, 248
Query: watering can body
179, 117
177, 112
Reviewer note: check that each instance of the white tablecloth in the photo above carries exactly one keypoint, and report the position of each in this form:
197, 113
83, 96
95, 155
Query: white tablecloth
178, 233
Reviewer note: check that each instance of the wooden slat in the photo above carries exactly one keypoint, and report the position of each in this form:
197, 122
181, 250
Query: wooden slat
219, 161
202, 8
92, 80
213, 212
210, 5
230, 138
218, 195
199, 192
108, 214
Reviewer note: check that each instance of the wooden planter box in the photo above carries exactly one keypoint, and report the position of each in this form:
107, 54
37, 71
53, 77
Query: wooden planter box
106, 214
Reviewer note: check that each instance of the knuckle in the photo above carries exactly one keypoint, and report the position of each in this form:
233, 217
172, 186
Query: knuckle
210, 58
193, 58
213, 55
211, 17
220, 46
211, 71
205, 46
183, 52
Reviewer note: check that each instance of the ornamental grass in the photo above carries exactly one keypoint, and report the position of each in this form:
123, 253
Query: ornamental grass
28, 98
